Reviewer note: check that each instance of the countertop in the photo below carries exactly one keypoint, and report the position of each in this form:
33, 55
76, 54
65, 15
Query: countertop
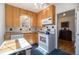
11, 46
45, 32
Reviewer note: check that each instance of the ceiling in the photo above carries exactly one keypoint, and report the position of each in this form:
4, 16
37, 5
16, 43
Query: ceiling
31, 7
26, 6
68, 13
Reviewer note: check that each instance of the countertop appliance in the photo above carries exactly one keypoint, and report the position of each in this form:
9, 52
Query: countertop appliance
46, 41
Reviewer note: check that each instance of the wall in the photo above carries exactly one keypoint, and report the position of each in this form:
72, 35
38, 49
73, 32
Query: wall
2, 22
62, 7
71, 20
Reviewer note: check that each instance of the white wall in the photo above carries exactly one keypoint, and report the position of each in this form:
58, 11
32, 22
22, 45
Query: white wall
62, 7
2, 22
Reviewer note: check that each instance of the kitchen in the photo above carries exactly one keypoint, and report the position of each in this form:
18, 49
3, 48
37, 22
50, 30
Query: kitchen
35, 25
21, 22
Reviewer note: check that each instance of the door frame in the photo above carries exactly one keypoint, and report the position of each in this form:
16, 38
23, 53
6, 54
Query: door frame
57, 29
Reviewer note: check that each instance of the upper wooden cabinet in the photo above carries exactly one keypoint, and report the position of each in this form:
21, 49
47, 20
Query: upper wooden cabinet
39, 18
16, 17
34, 20
47, 12
12, 16
23, 12
9, 15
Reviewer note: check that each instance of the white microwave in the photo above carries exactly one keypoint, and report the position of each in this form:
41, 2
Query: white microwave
47, 21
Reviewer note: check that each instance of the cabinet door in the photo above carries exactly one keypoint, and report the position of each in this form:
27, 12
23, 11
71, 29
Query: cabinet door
51, 13
43, 14
53, 10
28, 37
31, 37
16, 17
30, 14
34, 20
39, 23
8, 15
35, 37
23, 12
7, 36
47, 12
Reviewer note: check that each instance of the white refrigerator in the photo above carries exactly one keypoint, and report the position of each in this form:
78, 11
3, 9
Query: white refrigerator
77, 34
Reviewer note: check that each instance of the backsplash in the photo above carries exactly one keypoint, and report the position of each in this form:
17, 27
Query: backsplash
20, 29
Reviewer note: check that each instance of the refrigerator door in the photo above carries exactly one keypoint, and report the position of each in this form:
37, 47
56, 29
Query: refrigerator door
77, 23
77, 34
77, 44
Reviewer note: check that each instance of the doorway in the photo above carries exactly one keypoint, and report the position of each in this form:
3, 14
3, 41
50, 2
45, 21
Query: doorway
66, 31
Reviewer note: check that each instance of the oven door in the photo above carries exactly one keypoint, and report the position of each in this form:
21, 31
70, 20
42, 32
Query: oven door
43, 38
43, 41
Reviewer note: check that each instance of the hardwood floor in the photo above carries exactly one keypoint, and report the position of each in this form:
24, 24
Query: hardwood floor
67, 46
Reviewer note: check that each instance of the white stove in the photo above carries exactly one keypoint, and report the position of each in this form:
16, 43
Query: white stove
46, 41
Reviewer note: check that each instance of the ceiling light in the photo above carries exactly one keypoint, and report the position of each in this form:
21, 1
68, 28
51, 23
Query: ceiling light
41, 5
36, 6
64, 14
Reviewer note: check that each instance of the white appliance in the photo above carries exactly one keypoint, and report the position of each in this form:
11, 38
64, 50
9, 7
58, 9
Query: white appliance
77, 34
47, 21
46, 42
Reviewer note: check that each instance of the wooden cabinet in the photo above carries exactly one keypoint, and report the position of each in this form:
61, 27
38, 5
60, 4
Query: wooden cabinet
35, 37
31, 37
27, 36
9, 16
39, 22
47, 12
16, 17
23, 12
51, 13
7, 36
29, 14
34, 20
43, 14
12, 18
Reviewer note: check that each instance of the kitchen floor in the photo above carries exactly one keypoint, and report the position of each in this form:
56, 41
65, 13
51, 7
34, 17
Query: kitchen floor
54, 52
67, 46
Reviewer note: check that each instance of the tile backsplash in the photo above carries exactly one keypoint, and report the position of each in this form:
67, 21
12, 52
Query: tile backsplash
20, 29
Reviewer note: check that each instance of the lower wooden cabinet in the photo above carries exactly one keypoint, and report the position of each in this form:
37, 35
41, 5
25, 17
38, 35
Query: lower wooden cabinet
35, 37
31, 37
7, 36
